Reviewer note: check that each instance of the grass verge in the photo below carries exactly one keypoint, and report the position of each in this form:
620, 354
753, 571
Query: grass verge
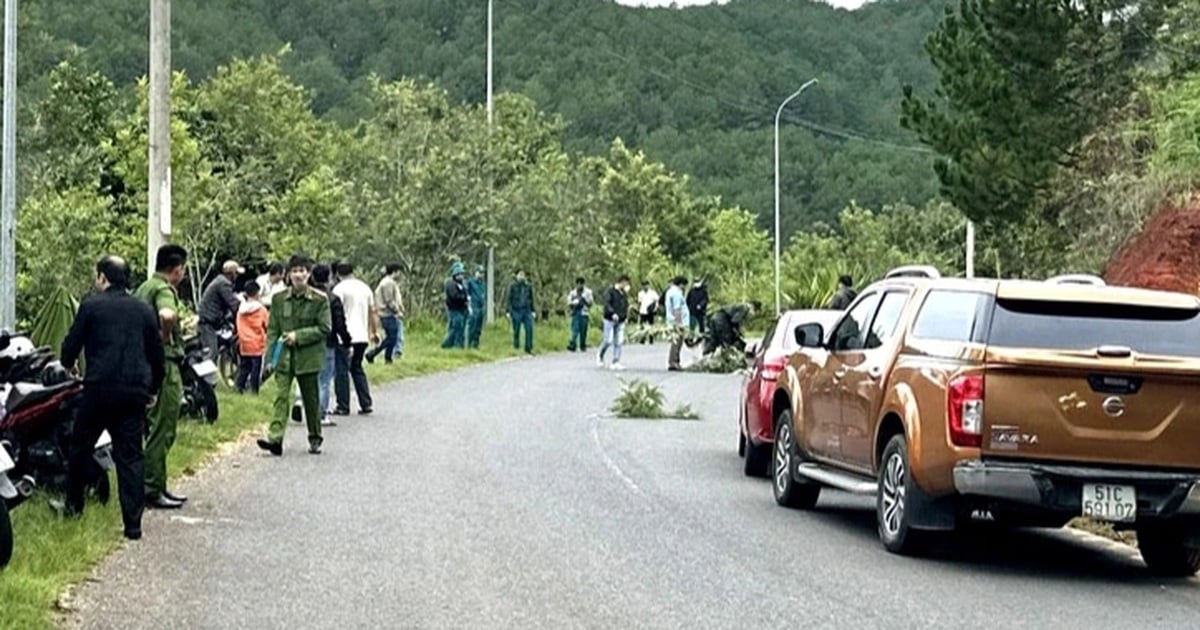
52, 553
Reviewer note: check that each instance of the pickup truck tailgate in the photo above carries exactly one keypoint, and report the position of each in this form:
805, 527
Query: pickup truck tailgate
1074, 413
1117, 384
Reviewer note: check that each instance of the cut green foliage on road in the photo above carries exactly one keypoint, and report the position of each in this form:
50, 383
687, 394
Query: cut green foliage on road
52, 553
644, 401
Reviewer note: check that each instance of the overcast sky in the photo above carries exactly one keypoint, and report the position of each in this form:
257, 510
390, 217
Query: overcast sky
848, 4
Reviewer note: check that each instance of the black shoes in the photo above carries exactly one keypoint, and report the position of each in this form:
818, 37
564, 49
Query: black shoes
175, 497
162, 502
297, 413
133, 534
340, 412
314, 447
274, 448
365, 412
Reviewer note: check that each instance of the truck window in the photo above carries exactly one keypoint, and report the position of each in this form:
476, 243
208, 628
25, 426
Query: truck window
1086, 326
851, 333
886, 319
951, 316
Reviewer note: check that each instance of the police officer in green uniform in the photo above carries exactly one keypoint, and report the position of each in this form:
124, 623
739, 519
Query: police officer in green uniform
301, 318
160, 293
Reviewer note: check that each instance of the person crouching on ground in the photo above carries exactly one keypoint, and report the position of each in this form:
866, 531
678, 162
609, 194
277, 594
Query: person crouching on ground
301, 318
252, 338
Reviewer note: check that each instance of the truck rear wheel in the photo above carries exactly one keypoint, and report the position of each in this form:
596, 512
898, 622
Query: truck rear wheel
891, 503
1167, 550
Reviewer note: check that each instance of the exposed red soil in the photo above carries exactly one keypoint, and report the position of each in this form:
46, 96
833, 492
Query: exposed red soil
1165, 255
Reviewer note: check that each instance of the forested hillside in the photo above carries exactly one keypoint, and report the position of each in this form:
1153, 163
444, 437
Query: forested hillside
695, 88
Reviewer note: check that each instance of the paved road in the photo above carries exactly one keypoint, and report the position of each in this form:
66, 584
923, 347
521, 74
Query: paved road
502, 497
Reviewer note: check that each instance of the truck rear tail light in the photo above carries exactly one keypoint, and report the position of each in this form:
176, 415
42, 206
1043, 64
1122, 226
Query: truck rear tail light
964, 410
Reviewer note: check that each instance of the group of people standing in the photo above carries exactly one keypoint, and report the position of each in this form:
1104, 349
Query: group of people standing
466, 301
310, 326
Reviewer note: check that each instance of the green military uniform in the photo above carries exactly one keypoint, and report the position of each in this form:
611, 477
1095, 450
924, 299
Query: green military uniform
164, 416
306, 314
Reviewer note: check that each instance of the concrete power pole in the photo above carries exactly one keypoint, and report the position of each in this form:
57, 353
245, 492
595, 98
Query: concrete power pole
8, 198
491, 261
158, 226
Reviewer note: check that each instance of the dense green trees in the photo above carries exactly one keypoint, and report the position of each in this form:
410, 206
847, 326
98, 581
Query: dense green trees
694, 89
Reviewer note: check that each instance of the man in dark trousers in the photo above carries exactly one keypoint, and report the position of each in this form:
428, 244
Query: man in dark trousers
119, 336
520, 310
697, 303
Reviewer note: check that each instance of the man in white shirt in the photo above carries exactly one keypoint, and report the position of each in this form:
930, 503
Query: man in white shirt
647, 307
271, 283
362, 322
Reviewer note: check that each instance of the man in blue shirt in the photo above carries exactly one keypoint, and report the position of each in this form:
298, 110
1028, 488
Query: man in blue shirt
477, 291
678, 318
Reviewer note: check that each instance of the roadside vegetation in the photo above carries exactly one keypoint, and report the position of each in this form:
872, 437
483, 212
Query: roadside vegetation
644, 401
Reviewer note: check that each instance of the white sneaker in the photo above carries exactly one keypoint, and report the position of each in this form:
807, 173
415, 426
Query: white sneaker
600, 362
617, 367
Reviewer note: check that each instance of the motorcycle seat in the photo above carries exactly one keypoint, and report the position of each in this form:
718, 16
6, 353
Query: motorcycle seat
27, 394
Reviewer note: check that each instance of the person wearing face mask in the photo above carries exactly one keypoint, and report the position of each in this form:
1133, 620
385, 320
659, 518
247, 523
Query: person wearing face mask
301, 320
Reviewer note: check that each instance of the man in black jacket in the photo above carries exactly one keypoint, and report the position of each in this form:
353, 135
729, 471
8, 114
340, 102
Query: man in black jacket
120, 338
457, 305
616, 312
338, 343
845, 294
217, 305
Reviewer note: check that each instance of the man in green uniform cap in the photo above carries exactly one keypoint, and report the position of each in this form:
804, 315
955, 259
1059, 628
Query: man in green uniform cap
159, 292
301, 318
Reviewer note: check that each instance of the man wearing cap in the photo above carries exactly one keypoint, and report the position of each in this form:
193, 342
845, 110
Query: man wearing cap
477, 291
218, 304
457, 306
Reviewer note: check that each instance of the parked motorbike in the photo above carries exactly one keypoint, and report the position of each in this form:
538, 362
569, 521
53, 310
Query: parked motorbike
37, 414
200, 374
228, 357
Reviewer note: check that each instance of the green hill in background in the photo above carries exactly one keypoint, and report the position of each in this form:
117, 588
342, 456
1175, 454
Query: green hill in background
695, 88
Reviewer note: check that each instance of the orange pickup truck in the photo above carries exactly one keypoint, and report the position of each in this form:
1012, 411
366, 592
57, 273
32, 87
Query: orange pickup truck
1010, 401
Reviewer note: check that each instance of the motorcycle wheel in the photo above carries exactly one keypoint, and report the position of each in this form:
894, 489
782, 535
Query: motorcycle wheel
6, 535
207, 401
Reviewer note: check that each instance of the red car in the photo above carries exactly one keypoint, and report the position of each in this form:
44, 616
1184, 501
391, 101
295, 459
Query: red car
756, 434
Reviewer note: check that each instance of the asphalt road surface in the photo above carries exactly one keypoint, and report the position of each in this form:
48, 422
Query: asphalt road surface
503, 496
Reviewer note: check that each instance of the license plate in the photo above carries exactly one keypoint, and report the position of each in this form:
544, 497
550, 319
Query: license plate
1109, 502
205, 368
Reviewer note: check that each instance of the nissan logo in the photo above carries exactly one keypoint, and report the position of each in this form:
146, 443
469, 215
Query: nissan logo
1113, 406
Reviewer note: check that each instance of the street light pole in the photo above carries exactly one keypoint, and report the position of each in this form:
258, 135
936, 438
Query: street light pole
8, 198
158, 219
970, 248
491, 262
778, 113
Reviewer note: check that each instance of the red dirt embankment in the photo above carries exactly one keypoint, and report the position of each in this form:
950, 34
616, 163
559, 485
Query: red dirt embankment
1165, 255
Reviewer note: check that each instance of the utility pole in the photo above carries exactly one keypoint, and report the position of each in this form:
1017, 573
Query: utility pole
8, 198
970, 248
491, 261
778, 113
158, 225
